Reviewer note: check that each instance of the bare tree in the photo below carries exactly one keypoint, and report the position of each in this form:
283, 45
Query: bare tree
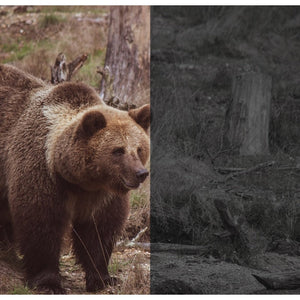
125, 77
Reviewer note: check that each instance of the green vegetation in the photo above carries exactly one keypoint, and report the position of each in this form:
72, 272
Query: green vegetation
138, 199
88, 71
116, 265
72, 9
21, 290
50, 20
20, 49
17, 50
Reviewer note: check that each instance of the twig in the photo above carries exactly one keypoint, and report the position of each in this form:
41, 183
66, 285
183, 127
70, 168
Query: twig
134, 242
180, 249
138, 236
228, 169
255, 168
76, 64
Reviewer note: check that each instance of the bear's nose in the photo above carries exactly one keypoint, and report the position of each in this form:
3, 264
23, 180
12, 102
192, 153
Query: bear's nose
142, 174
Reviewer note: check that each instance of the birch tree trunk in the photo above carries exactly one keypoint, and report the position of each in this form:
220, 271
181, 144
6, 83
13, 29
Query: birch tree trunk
247, 118
126, 75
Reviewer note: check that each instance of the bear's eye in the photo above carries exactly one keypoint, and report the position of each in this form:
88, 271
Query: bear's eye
118, 151
139, 150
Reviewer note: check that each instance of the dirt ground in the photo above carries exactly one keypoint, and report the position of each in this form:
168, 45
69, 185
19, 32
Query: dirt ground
130, 265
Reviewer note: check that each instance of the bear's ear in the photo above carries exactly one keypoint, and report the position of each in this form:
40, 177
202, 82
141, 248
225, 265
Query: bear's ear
91, 122
141, 115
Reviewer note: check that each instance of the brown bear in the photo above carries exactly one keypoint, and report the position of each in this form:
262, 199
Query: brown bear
66, 157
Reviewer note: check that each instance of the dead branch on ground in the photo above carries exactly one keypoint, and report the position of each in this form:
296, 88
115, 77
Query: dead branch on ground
252, 169
180, 249
280, 281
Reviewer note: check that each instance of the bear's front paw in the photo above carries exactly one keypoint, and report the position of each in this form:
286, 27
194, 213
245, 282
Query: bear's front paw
50, 290
96, 283
47, 282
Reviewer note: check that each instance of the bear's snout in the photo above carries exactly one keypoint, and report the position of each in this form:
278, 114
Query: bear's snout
142, 175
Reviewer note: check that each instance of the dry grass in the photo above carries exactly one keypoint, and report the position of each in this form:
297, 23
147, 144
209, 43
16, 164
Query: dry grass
52, 32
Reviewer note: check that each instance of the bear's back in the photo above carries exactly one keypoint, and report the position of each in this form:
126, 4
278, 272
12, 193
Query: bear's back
74, 95
12, 77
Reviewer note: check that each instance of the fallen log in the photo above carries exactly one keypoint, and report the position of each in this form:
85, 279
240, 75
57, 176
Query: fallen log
280, 281
180, 249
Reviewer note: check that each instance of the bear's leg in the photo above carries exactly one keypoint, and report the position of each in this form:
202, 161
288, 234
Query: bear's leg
6, 230
39, 231
93, 248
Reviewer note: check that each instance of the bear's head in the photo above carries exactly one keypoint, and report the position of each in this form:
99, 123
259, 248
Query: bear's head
105, 148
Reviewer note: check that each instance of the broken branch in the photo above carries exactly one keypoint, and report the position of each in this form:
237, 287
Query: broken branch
252, 169
61, 71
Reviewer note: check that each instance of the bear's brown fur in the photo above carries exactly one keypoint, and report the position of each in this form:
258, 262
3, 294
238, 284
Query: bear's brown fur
66, 157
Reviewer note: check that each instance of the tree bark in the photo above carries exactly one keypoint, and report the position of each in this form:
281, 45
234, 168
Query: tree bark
247, 118
126, 75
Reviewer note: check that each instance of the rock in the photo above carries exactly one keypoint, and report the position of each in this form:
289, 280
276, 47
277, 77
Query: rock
170, 286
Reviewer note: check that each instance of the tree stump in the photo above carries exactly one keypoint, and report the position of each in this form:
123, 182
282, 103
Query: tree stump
248, 115
61, 71
126, 74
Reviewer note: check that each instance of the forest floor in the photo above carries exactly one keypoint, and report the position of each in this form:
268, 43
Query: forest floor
31, 38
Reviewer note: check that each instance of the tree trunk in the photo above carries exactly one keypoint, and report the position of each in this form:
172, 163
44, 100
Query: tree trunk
126, 75
247, 119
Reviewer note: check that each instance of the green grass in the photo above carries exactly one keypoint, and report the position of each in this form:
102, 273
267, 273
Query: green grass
16, 51
50, 20
116, 265
21, 290
138, 199
88, 72
73, 9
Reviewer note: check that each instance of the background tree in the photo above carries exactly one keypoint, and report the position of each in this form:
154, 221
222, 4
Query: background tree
125, 78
